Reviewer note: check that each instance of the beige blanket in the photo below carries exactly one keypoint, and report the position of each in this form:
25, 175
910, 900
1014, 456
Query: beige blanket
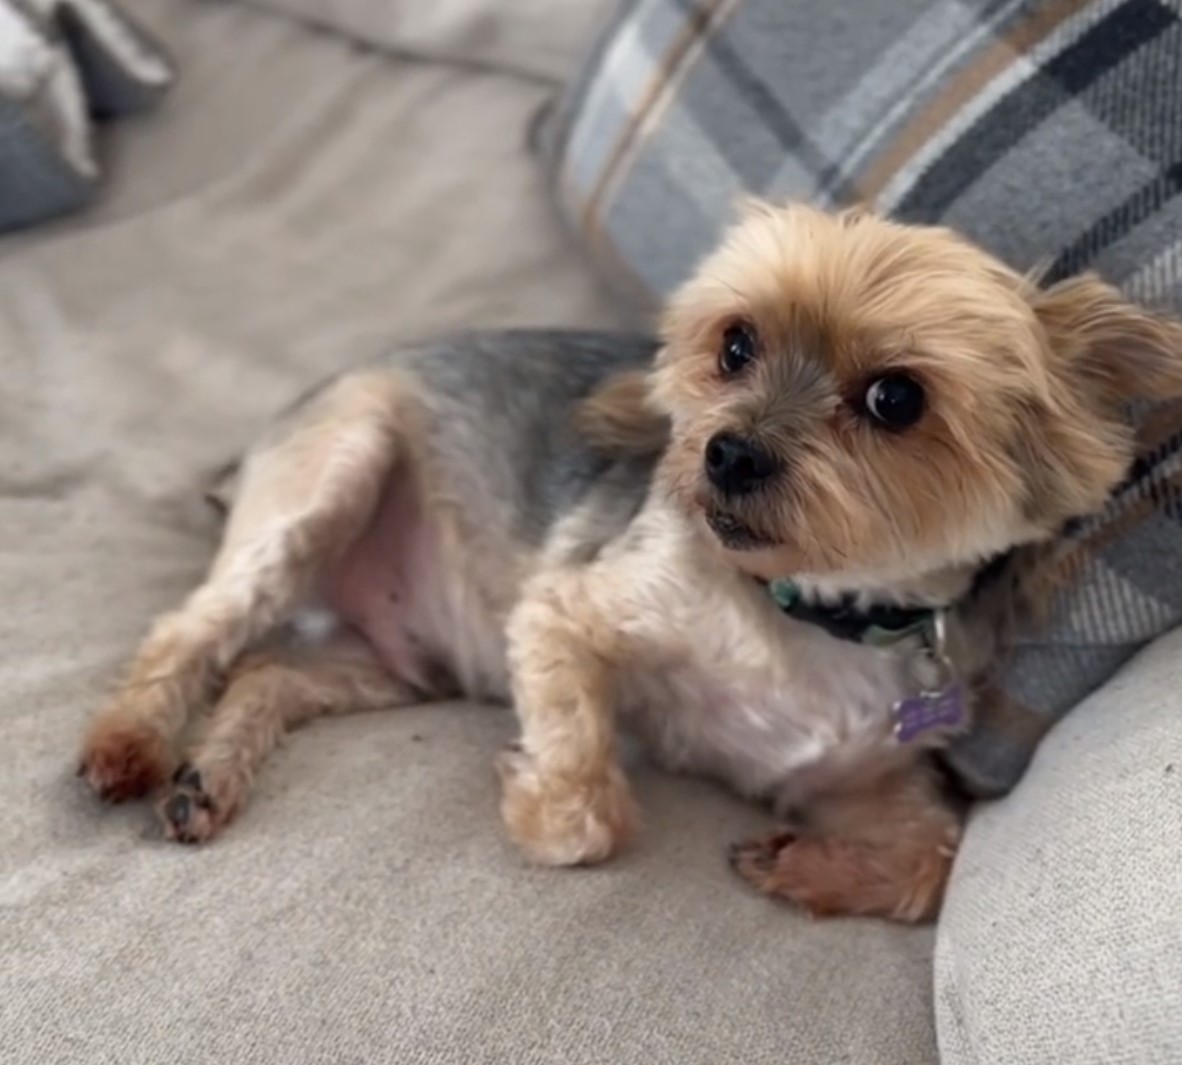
540, 38
291, 207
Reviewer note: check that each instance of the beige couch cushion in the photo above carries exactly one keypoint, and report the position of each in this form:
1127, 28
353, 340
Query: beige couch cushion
1062, 937
541, 38
292, 207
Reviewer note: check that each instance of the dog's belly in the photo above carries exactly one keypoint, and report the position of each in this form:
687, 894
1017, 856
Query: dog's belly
431, 621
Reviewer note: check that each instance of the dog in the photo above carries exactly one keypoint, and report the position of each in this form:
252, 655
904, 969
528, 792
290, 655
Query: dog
781, 545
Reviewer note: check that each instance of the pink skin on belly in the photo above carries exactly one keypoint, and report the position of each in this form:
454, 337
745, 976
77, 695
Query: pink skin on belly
369, 587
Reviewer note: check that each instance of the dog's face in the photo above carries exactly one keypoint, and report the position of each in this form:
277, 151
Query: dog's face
860, 401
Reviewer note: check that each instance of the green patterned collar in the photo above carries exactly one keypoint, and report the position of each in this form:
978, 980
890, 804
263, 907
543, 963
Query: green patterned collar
879, 626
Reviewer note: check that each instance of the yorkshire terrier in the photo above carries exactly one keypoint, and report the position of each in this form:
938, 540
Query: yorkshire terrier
762, 545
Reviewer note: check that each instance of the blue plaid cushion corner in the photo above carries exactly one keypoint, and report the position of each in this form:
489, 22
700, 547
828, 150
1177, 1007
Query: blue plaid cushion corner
1036, 127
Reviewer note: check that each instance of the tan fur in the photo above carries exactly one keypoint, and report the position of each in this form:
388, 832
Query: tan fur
301, 504
565, 800
883, 848
1024, 383
621, 418
268, 693
660, 623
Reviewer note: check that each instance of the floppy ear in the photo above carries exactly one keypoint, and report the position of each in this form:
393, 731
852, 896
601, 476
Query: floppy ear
1071, 456
746, 205
855, 213
619, 418
1109, 344
1105, 352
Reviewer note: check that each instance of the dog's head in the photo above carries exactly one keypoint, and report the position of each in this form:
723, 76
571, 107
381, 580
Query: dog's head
866, 403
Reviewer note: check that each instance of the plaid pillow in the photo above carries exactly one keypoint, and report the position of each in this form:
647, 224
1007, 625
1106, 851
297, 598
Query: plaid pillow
62, 63
1040, 128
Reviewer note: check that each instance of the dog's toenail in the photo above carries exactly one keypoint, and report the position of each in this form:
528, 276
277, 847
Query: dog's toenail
177, 809
188, 776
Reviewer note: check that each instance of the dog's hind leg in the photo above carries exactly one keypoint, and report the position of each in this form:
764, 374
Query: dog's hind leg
302, 501
268, 693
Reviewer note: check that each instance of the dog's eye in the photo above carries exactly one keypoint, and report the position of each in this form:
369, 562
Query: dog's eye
739, 346
895, 401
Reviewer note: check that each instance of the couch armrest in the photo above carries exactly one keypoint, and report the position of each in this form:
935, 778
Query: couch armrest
1061, 939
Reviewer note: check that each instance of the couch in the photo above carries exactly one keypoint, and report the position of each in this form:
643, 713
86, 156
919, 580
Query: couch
297, 202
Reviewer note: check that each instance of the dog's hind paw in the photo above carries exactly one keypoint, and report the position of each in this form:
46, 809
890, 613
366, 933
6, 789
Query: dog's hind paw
832, 877
124, 760
189, 813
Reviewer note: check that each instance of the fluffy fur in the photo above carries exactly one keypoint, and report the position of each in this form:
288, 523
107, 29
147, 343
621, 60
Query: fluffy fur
527, 517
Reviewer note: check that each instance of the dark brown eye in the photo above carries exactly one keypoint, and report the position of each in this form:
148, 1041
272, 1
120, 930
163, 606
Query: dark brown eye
739, 347
895, 401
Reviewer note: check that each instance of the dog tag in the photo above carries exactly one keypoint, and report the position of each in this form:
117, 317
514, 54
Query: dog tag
929, 711
940, 704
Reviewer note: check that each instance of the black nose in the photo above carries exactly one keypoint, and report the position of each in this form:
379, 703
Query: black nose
736, 465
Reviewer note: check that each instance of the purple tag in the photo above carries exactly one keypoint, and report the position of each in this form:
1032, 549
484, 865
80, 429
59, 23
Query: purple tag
922, 713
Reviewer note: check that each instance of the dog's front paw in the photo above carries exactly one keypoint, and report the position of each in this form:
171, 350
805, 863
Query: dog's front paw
564, 819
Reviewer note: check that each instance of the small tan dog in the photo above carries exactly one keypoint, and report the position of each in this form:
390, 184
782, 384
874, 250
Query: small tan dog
878, 412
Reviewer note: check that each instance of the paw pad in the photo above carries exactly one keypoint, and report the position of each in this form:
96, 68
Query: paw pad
188, 813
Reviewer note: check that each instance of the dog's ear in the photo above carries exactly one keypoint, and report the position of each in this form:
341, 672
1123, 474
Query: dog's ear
747, 206
619, 418
1076, 443
855, 213
1071, 455
1109, 344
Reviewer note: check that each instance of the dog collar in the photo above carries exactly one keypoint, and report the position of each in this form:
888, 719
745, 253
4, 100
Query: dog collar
938, 706
879, 626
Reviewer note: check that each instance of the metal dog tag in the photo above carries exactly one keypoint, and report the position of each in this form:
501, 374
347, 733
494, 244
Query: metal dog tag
929, 711
940, 703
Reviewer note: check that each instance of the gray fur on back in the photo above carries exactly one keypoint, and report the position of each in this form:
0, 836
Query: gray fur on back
504, 407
